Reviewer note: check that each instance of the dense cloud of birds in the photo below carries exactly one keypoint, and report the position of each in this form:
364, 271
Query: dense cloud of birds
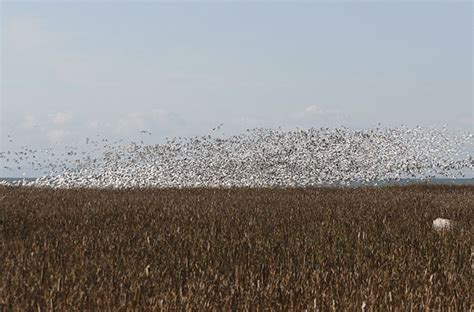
258, 158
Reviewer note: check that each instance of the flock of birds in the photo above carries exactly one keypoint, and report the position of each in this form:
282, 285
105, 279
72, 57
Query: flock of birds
257, 158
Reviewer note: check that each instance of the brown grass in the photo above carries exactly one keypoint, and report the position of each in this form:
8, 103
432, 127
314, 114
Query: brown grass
239, 249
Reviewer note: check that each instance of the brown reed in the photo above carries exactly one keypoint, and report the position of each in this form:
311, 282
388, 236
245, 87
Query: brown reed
368, 249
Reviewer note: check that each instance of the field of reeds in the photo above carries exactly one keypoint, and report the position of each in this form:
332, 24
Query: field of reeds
366, 249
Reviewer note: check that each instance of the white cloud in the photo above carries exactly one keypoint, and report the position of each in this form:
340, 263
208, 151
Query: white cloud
131, 123
61, 118
312, 109
93, 124
29, 122
56, 136
316, 116
316, 110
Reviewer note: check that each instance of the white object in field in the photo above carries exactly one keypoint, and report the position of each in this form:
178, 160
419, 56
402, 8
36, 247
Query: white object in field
440, 224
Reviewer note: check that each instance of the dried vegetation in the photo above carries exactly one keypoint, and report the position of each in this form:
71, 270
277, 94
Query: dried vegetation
235, 249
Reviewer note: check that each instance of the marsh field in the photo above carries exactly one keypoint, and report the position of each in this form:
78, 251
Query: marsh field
366, 249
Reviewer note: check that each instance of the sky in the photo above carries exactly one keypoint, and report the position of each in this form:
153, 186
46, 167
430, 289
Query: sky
70, 70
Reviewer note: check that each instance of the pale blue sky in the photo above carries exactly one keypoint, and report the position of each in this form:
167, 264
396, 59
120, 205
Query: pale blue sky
71, 70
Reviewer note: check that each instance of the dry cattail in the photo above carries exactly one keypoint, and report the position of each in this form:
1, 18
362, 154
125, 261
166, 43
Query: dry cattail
314, 249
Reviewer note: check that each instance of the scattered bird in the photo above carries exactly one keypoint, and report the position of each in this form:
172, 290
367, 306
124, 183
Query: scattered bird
218, 127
